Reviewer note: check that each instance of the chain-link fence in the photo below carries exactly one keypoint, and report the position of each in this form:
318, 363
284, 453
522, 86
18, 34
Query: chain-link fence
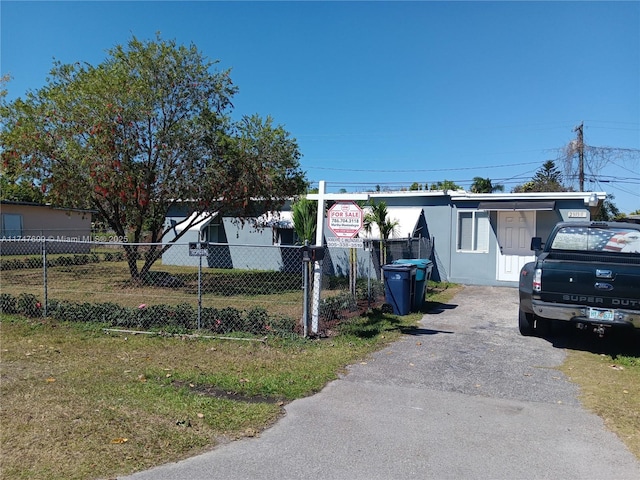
216, 289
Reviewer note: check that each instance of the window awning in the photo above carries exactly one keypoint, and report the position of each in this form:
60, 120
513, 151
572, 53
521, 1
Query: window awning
198, 221
518, 205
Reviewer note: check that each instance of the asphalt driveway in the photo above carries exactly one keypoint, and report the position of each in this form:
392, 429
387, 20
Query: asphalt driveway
463, 397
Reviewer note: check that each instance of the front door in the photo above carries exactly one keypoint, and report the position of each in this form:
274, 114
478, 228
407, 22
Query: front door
515, 230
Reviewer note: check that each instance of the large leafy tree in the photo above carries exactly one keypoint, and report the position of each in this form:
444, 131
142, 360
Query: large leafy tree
12, 185
148, 127
608, 211
19, 190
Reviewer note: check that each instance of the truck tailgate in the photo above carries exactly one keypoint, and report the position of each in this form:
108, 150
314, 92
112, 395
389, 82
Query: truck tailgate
606, 285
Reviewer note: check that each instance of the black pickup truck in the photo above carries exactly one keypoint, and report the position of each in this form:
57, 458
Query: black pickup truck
588, 274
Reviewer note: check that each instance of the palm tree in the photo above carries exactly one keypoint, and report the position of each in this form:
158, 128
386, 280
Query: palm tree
484, 185
379, 216
304, 219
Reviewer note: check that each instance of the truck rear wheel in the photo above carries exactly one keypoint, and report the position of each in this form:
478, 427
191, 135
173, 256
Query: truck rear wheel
525, 323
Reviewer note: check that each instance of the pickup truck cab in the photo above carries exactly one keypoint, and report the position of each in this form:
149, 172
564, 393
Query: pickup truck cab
587, 273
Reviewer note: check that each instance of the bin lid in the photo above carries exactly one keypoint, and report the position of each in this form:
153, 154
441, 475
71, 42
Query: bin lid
393, 267
418, 262
421, 264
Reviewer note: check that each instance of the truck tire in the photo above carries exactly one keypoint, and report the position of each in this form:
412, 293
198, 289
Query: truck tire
525, 323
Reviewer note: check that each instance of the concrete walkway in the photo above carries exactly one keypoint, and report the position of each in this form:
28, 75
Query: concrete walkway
464, 397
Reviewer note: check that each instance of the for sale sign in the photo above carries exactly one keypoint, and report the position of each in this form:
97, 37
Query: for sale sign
345, 219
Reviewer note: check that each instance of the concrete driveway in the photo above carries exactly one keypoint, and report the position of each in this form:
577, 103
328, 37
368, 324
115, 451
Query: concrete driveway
463, 397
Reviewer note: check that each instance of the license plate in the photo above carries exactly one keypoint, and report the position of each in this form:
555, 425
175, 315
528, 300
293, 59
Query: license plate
599, 314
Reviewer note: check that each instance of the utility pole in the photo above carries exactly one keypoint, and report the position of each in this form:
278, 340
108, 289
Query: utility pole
580, 141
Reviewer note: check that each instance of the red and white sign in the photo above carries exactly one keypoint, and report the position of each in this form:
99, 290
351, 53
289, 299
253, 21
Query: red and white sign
345, 219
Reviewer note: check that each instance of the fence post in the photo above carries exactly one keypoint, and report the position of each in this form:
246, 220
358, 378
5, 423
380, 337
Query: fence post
306, 270
44, 276
369, 248
200, 288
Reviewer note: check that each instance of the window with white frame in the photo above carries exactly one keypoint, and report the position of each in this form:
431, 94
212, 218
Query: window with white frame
473, 231
11, 225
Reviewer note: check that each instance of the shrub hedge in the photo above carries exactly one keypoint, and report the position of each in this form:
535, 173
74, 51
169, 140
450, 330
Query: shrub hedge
60, 260
181, 318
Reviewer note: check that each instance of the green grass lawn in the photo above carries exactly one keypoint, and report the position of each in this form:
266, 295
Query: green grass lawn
78, 403
609, 387
111, 282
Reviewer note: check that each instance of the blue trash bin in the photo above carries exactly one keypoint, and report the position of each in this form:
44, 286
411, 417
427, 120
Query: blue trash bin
399, 284
423, 274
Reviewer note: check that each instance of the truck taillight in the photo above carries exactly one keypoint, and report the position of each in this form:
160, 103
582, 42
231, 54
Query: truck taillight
537, 280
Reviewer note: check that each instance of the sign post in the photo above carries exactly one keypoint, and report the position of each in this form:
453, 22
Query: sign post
322, 197
199, 249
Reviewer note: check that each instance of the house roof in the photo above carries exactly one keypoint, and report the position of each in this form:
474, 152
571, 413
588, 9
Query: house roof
531, 196
45, 205
462, 195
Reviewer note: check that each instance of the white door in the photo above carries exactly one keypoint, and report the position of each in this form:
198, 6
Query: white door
515, 230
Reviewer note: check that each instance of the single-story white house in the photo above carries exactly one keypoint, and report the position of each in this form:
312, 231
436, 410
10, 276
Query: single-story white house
233, 241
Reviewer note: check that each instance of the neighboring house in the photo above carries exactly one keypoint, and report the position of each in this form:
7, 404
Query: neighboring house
233, 241
471, 238
27, 225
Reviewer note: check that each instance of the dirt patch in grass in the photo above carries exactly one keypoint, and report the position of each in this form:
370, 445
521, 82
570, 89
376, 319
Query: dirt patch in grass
213, 391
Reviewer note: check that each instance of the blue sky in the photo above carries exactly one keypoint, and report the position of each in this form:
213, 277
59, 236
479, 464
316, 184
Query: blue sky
388, 93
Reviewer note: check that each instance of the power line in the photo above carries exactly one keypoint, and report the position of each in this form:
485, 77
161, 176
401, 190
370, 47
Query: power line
422, 170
